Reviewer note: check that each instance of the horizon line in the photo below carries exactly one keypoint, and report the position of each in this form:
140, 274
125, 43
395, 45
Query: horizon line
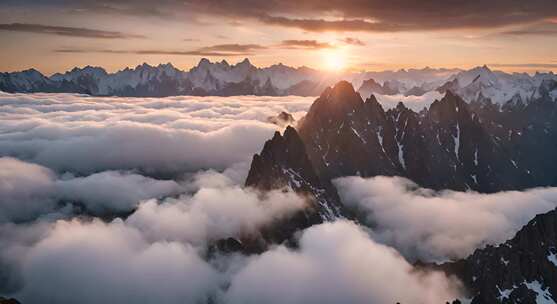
551, 67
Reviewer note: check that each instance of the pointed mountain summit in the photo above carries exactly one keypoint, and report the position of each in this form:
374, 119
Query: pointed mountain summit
444, 147
283, 162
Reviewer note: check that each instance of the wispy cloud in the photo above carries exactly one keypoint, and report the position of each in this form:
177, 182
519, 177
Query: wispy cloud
541, 29
358, 15
321, 25
305, 44
233, 48
524, 65
352, 41
221, 50
66, 31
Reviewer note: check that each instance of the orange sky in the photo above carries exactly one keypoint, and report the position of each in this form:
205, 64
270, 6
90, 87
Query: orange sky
56, 37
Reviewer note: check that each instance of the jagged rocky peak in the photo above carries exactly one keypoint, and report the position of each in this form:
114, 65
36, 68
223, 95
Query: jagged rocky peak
449, 108
369, 87
283, 162
245, 62
521, 270
374, 108
333, 104
283, 157
203, 62
282, 119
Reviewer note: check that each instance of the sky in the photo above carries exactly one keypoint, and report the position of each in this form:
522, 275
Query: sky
57, 35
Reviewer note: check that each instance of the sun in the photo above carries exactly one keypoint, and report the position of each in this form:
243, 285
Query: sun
334, 60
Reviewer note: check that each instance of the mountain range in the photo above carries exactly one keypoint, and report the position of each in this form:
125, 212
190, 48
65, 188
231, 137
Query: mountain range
207, 78
224, 79
491, 131
479, 145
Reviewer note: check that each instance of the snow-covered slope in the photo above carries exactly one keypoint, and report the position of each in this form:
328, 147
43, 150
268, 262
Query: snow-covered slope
24, 81
481, 83
243, 78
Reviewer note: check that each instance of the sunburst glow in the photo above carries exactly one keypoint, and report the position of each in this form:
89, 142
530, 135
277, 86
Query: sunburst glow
334, 60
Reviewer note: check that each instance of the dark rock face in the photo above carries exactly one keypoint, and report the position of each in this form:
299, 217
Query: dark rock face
452, 145
444, 147
283, 162
282, 119
518, 271
8, 301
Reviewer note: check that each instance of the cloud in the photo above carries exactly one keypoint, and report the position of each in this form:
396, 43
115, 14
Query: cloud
543, 29
524, 65
305, 44
213, 213
353, 41
66, 31
221, 50
112, 192
159, 137
94, 262
234, 48
351, 15
336, 263
334, 15
321, 25
435, 226
28, 191
381, 16
157, 254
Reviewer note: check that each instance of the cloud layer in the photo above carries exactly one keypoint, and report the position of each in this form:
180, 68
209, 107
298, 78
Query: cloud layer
28, 191
436, 226
336, 15
66, 31
122, 199
112, 263
337, 263
172, 135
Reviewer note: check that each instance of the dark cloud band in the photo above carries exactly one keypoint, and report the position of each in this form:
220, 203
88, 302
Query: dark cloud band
66, 31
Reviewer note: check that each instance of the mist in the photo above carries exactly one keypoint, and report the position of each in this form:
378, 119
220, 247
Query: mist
440, 225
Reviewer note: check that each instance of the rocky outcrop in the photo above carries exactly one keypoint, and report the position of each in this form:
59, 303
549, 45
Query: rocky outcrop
451, 145
283, 162
521, 270
8, 301
282, 119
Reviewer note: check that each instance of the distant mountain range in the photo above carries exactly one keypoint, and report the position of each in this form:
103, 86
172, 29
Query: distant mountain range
223, 79
207, 78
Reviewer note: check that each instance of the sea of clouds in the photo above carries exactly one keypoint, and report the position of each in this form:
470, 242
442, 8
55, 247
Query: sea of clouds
118, 200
